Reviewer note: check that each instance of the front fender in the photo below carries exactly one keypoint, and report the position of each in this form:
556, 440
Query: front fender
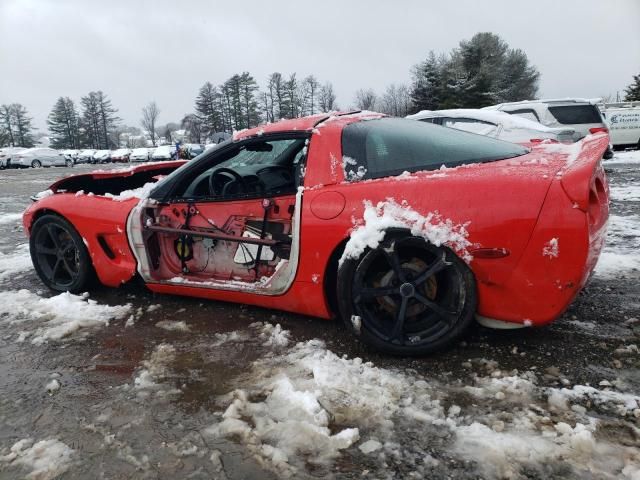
101, 223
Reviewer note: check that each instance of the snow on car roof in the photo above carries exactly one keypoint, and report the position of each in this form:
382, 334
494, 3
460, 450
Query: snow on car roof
492, 116
547, 100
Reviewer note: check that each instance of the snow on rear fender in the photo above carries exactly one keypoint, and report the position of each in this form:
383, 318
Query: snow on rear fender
376, 220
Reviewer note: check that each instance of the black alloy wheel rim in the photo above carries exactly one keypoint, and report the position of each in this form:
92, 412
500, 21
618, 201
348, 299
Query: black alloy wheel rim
58, 255
407, 293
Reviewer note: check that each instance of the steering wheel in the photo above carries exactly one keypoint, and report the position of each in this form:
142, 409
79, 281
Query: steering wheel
283, 172
237, 178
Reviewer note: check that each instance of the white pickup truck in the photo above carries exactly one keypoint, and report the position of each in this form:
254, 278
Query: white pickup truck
623, 120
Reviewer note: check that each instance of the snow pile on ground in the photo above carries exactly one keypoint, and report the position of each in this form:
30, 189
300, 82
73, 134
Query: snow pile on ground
307, 406
626, 193
155, 371
10, 218
15, 263
172, 325
621, 254
56, 317
389, 214
272, 335
45, 460
624, 158
141, 192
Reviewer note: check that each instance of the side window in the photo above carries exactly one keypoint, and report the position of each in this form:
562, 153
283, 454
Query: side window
471, 125
528, 113
257, 168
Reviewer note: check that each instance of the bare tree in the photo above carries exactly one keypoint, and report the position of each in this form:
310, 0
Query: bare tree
366, 99
396, 100
327, 99
150, 114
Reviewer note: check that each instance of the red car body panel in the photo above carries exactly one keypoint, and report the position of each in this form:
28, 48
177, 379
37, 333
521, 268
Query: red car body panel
519, 208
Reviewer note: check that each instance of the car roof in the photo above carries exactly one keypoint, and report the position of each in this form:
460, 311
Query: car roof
492, 116
305, 124
555, 101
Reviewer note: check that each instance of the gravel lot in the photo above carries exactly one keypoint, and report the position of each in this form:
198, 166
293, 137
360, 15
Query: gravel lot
139, 385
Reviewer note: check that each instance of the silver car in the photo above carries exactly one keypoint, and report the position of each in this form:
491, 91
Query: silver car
85, 156
41, 157
6, 154
496, 124
577, 113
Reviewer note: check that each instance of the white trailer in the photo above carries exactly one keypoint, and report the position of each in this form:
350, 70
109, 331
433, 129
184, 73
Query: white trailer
623, 120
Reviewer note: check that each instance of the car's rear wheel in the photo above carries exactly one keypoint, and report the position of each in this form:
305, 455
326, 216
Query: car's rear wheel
69, 163
59, 255
407, 296
36, 164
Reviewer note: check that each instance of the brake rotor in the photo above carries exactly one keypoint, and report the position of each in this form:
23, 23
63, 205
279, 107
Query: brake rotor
428, 289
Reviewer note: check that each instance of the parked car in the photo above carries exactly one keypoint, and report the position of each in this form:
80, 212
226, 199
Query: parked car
102, 156
193, 150
496, 124
71, 154
6, 154
163, 152
40, 157
139, 155
86, 156
623, 120
577, 113
120, 155
391, 236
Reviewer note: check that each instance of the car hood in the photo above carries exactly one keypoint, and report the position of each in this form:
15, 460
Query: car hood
114, 182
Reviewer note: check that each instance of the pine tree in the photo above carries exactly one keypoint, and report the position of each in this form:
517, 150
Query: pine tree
15, 123
90, 121
425, 90
63, 124
209, 109
632, 92
482, 71
249, 87
108, 121
6, 120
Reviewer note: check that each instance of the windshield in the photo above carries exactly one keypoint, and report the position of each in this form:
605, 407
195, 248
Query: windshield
390, 146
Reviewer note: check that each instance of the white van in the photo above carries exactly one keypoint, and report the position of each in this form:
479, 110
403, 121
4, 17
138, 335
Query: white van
623, 120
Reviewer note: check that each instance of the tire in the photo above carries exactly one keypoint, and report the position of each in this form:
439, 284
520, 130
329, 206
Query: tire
59, 255
68, 163
407, 297
36, 164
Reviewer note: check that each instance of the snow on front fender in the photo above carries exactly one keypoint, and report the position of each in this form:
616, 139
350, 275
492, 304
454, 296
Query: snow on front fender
376, 220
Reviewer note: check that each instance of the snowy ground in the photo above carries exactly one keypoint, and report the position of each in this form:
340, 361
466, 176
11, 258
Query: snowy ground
127, 384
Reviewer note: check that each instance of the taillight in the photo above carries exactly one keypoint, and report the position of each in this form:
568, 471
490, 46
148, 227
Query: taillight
546, 140
598, 130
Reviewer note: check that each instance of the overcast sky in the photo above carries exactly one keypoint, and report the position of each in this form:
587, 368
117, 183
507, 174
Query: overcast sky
137, 51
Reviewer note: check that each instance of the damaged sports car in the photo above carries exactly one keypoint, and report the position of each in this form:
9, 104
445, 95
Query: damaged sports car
407, 231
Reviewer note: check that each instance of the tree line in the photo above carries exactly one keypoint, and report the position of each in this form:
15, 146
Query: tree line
480, 71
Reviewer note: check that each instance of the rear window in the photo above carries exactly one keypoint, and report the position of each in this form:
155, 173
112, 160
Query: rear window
575, 114
390, 146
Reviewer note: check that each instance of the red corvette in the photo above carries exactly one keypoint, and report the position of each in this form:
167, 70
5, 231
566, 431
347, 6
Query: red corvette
406, 230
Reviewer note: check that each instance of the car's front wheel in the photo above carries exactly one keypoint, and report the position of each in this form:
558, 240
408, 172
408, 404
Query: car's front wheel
36, 164
59, 255
407, 296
